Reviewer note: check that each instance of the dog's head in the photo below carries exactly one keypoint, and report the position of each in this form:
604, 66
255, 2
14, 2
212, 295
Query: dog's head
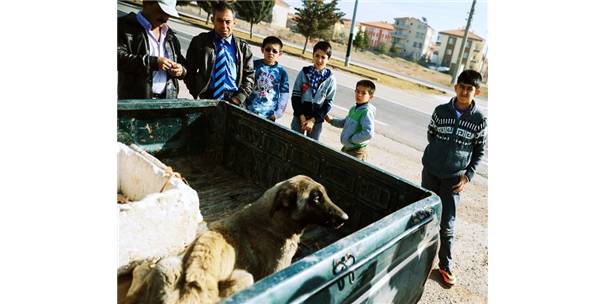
307, 202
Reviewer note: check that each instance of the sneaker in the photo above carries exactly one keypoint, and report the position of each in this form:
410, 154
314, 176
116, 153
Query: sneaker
448, 277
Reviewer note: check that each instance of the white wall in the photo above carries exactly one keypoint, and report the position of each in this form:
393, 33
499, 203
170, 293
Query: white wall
279, 16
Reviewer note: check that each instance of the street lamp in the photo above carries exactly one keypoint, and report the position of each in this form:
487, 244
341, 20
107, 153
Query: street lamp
351, 32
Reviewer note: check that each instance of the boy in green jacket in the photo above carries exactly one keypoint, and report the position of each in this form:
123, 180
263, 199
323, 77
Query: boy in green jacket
359, 125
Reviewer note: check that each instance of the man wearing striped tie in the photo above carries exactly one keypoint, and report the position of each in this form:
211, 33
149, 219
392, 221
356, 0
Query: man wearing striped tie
220, 65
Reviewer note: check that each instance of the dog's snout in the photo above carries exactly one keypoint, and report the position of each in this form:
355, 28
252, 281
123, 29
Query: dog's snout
344, 216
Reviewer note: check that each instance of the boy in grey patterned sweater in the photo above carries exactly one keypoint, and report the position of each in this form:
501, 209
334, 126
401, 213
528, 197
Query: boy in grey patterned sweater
457, 137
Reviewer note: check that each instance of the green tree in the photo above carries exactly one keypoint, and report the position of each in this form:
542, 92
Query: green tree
361, 41
207, 6
254, 11
382, 48
315, 18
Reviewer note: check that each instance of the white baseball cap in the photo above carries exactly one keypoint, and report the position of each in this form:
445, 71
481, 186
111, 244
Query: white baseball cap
167, 6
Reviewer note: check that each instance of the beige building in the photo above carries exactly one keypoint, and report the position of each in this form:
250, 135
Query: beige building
378, 33
412, 37
449, 44
279, 13
340, 30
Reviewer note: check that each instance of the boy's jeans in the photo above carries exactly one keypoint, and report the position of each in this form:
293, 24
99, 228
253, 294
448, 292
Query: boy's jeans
443, 188
315, 131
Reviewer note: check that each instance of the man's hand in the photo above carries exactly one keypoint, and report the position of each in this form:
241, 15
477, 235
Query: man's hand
176, 70
235, 100
458, 187
165, 64
328, 118
273, 117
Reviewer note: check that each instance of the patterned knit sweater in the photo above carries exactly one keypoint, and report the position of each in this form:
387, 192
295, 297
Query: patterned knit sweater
456, 145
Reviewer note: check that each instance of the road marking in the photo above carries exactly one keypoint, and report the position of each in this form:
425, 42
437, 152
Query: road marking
347, 110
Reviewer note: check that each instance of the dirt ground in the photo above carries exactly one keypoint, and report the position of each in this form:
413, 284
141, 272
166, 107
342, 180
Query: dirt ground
470, 252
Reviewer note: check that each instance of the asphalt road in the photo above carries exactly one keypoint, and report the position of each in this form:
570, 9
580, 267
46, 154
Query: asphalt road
401, 115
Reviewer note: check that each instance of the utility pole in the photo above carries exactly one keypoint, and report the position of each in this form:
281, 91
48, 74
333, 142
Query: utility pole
483, 60
454, 73
351, 31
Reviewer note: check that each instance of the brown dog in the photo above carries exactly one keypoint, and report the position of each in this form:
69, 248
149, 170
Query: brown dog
254, 242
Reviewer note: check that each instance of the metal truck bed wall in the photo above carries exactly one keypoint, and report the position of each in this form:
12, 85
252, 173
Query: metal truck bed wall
384, 252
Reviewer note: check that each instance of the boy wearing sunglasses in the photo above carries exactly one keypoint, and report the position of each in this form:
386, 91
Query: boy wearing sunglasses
270, 92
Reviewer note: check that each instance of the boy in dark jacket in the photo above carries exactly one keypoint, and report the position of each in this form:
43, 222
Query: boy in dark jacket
457, 136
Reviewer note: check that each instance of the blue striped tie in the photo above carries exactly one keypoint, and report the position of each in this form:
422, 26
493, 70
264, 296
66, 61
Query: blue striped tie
220, 72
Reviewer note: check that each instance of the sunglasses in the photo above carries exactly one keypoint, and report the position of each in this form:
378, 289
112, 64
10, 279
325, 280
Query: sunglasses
271, 50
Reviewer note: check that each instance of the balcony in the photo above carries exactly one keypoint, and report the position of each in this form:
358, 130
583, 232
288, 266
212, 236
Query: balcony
400, 35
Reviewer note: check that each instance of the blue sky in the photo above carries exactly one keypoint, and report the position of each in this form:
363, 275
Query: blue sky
441, 14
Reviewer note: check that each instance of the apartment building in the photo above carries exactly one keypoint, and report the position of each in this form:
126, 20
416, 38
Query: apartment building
378, 33
449, 43
412, 37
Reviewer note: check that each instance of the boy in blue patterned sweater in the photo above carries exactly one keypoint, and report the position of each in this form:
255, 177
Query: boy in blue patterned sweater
457, 137
270, 93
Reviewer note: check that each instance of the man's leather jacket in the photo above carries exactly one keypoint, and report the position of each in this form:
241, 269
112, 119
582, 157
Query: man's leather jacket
200, 60
135, 66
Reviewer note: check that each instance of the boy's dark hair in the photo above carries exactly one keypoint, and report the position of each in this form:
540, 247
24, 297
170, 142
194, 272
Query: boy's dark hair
470, 77
324, 46
221, 6
271, 40
367, 84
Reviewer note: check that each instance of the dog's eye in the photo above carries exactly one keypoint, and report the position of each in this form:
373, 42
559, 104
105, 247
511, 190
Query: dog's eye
316, 198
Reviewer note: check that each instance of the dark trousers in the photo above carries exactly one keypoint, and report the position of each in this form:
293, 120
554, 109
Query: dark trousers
443, 188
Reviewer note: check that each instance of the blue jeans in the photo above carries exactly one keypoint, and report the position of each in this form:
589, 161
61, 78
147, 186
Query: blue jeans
315, 131
443, 188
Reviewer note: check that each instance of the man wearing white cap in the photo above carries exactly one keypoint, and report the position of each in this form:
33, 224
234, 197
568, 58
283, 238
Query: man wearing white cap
149, 54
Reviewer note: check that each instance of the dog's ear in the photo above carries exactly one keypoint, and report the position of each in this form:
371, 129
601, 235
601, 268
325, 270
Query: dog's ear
286, 197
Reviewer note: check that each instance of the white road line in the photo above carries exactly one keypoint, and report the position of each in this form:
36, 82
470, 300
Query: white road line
347, 110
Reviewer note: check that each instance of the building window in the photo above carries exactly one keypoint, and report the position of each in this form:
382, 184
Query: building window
451, 40
448, 51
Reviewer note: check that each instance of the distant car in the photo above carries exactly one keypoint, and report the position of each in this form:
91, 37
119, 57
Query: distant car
443, 69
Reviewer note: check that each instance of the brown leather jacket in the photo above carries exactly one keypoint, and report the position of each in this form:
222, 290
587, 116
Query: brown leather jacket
200, 60
135, 66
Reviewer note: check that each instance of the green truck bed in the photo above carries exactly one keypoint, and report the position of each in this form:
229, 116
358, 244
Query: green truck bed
384, 252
